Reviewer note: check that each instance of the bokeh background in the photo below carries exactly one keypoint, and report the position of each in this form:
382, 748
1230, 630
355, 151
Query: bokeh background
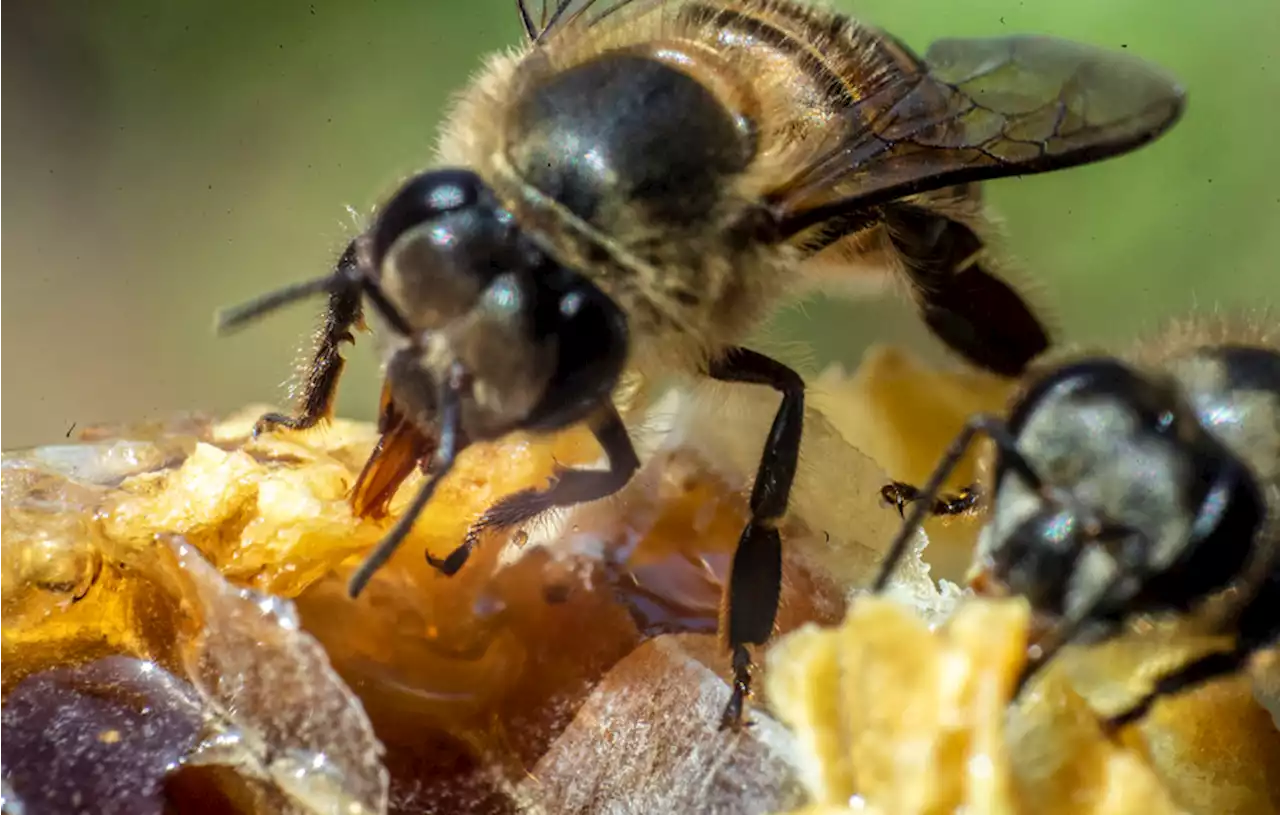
166, 157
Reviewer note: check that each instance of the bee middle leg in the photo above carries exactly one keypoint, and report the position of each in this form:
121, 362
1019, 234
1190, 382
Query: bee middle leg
570, 486
898, 495
755, 578
342, 315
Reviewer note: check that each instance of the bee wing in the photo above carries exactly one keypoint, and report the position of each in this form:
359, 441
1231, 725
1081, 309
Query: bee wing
977, 109
543, 19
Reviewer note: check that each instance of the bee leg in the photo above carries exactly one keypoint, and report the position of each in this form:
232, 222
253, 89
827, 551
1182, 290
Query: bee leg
1195, 673
755, 578
341, 316
965, 305
1256, 623
898, 494
569, 487
981, 424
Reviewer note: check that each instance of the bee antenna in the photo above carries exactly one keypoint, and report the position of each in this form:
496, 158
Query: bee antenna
984, 424
350, 273
450, 436
237, 317
395, 320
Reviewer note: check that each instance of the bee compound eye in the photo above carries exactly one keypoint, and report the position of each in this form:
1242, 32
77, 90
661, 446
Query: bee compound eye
591, 340
423, 199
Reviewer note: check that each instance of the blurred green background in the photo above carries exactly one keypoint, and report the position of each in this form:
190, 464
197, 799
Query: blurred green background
166, 158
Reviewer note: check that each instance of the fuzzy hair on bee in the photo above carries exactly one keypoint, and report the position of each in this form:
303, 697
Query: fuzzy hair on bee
1143, 485
622, 202
782, 79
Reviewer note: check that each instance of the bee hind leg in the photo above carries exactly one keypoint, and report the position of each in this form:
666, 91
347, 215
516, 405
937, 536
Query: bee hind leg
341, 316
569, 486
755, 578
967, 306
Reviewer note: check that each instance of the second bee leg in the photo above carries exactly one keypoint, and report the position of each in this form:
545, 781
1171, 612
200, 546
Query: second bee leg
1256, 628
755, 579
898, 494
569, 487
1204, 669
341, 316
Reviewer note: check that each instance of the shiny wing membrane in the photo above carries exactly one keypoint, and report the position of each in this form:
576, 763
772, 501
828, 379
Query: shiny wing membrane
977, 109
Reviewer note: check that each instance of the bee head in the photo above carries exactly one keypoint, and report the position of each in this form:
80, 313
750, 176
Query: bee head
531, 344
1129, 494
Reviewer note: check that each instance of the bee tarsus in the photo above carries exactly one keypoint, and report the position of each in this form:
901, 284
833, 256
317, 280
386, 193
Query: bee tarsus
925, 499
899, 495
732, 718
569, 487
755, 578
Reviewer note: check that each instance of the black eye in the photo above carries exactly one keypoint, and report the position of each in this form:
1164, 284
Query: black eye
590, 335
424, 198
440, 241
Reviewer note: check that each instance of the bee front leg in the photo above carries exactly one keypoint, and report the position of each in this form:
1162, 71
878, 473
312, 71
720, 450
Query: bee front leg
1256, 625
755, 578
569, 487
342, 315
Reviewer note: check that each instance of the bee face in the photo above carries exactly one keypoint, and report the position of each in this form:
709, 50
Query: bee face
1120, 464
1120, 491
531, 344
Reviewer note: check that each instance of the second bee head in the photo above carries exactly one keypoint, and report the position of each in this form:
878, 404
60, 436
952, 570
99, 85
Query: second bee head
1127, 485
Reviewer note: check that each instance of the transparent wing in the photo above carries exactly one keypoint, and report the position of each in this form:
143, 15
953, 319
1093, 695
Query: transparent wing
978, 109
543, 19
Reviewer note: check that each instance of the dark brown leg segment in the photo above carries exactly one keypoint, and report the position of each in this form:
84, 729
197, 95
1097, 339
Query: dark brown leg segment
342, 315
963, 302
569, 487
755, 579
898, 495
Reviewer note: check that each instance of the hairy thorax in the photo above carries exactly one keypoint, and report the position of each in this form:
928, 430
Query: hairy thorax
644, 160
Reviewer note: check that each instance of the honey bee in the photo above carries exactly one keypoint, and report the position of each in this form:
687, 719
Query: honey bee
630, 194
1123, 488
